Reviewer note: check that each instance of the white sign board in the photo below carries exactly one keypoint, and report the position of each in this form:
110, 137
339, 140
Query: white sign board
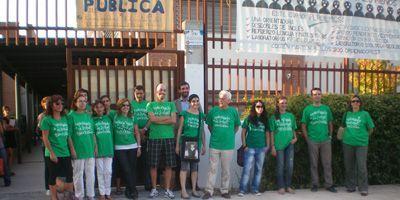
345, 28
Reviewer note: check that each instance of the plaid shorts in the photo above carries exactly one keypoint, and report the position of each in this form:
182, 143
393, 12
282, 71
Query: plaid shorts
161, 150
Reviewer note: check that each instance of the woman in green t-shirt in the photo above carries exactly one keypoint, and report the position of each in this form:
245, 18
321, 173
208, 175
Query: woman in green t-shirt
255, 140
189, 123
283, 138
55, 135
358, 126
105, 148
84, 147
126, 140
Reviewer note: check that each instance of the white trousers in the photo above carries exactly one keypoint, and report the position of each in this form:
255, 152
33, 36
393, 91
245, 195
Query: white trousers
79, 167
104, 172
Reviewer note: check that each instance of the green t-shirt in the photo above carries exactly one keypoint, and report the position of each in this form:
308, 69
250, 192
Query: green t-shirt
255, 135
112, 113
82, 130
317, 121
283, 130
223, 123
124, 130
104, 136
161, 109
357, 125
191, 125
140, 112
58, 135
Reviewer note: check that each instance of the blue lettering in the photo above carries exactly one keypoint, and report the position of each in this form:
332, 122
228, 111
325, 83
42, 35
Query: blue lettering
99, 8
133, 9
121, 6
158, 7
142, 8
87, 4
113, 6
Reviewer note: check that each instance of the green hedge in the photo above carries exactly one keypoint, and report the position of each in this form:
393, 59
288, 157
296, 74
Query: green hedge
384, 147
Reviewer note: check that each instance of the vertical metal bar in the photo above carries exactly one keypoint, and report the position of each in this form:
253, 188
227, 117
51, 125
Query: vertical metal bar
284, 77
372, 80
112, 38
66, 24
229, 75
359, 78
121, 39
341, 79
189, 13
26, 19
205, 52
352, 77
95, 38
147, 40
213, 81
130, 39
253, 83
237, 82
17, 97
88, 64
56, 38
221, 23
327, 78
305, 78
155, 39
213, 24
334, 77
276, 77
85, 38
197, 11
313, 75
230, 24
139, 40
116, 64
134, 72
46, 42
180, 13
261, 79
320, 75
126, 77
17, 24
7, 20
37, 24
164, 35
221, 74
170, 83
245, 80
70, 75
298, 78
98, 76
152, 84
79, 73
108, 75
104, 41
291, 78
269, 78
76, 38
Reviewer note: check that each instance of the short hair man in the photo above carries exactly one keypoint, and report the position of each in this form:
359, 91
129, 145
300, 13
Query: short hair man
161, 143
223, 122
317, 129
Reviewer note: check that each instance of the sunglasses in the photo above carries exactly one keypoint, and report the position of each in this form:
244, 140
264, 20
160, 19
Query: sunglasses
355, 101
59, 103
259, 107
126, 105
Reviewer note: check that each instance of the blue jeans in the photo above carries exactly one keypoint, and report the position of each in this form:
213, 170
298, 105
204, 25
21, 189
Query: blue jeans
257, 155
284, 166
7, 173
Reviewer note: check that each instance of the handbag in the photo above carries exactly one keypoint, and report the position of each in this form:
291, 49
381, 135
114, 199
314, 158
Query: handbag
190, 146
240, 156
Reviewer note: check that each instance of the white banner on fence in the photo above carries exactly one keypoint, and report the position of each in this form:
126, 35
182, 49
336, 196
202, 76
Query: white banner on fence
336, 28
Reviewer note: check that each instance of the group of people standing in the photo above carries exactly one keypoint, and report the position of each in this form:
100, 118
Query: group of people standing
95, 136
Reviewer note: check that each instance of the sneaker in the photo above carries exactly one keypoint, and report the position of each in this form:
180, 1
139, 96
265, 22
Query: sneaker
281, 191
206, 195
332, 189
153, 193
290, 190
226, 195
169, 194
364, 193
314, 188
349, 190
47, 192
257, 193
241, 194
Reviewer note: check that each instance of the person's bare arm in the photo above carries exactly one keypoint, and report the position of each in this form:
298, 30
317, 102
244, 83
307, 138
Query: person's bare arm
46, 143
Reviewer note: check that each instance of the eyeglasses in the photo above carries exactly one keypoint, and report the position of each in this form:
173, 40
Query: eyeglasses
355, 101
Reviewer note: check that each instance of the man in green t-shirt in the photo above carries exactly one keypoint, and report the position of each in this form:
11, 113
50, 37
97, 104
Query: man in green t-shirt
139, 111
223, 122
317, 129
161, 144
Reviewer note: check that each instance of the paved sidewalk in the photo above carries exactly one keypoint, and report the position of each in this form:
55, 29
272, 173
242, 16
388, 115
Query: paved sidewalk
28, 183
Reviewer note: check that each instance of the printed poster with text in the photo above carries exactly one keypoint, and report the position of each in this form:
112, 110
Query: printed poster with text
335, 28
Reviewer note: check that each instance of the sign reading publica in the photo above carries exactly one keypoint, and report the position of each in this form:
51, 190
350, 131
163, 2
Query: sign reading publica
130, 15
